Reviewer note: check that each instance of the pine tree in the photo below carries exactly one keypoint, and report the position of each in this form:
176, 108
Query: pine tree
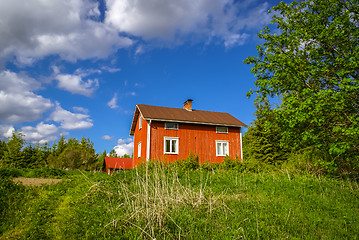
13, 156
262, 141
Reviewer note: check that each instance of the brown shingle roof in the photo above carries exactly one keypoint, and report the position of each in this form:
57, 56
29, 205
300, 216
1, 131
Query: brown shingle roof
182, 115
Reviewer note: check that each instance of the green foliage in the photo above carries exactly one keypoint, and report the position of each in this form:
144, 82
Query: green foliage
261, 142
112, 153
2, 149
189, 163
35, 156
13, 155
64, 154
74, 155
126, 156
311, 63
11, 197
9, 173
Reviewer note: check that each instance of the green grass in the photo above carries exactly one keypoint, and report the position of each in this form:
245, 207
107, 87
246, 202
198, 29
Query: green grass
163, 203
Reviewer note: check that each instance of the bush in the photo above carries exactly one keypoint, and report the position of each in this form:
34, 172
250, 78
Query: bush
189, 163
10, 173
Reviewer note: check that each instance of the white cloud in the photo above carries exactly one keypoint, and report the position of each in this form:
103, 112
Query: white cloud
107, 137
139, 50
80, 110
71, 29
113, 102
110, 69
75, 84
6, 131
235, 39
124, 146
86, 72
69, 120
42, 133
74, 29
175, 20
18, 102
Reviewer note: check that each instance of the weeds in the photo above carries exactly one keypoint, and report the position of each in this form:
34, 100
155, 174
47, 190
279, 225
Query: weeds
156, 201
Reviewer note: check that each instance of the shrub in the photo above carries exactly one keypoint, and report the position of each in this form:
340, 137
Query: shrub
10, 173
189, 163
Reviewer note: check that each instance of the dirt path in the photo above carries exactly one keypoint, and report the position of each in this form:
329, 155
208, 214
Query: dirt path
35, 181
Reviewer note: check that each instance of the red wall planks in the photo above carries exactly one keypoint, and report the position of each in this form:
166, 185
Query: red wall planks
140, 136
193, 138
198, 139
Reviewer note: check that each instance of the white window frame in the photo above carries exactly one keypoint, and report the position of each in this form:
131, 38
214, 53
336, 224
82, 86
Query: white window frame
139, 148
140, 123
176, 139
222, 152
167, 127
218, 129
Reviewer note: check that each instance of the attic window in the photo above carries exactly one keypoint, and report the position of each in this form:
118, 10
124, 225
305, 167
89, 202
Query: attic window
170, 125
222, 129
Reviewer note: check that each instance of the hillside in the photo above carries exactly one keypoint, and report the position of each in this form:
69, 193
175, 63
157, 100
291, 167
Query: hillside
161, 203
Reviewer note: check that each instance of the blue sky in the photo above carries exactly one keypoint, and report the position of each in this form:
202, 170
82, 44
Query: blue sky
79, 67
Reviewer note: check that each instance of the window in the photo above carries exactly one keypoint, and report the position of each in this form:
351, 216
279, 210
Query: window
140, 123
139, 150
222, 148
222, 129
170, 125
171, 145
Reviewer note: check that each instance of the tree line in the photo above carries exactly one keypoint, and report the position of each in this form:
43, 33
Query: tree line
63, 154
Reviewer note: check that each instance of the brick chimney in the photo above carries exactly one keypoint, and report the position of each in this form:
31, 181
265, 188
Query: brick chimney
188, 104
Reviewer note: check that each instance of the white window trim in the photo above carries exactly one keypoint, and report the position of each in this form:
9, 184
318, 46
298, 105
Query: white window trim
140, 122
171, 128
217, 131
223, 154
139, 148
177, 144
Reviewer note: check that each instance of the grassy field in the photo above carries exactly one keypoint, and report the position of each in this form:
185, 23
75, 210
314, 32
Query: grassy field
161, 203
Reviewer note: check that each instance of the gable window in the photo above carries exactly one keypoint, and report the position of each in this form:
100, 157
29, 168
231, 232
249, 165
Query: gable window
140, 123
222, 129
139, 150
170, 125
222, 148
171, 145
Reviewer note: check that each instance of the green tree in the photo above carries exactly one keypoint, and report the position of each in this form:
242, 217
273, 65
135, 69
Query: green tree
311, 63
2, 149
101, 165
13, 156
35, 156
60, 146
113, 153
73, 154
261, 142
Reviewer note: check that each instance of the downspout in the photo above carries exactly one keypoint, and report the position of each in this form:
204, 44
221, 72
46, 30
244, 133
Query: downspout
148, 145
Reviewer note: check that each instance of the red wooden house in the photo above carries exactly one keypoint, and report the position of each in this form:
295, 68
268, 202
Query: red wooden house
170, 134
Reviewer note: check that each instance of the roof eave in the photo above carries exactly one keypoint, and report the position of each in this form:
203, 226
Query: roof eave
193, 122
134, 121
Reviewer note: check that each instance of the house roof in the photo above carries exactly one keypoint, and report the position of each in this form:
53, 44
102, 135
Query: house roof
157, 113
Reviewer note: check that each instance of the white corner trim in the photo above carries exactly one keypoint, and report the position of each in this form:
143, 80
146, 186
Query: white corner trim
148, 145
240, 136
